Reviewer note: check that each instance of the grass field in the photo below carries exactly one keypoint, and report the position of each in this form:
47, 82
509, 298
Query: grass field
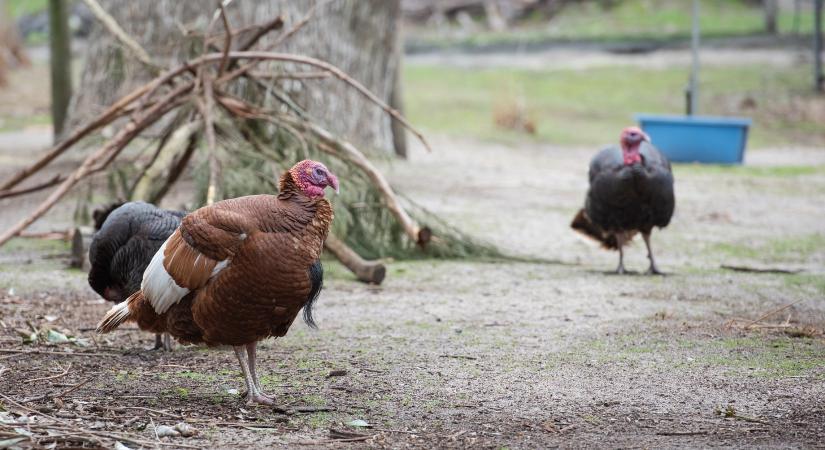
588, 106
635, 20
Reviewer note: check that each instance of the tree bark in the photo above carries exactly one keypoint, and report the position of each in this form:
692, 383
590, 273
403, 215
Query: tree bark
358, 36
771, 8
399, 133
61, 62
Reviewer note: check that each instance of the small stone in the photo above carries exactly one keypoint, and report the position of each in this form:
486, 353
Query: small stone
185, 429
165, 431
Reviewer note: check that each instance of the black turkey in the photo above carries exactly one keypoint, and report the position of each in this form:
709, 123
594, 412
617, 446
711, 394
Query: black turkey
631, 191
126, 237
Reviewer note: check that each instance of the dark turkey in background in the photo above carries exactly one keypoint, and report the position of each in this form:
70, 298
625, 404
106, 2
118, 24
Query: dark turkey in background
631, 191
126, 237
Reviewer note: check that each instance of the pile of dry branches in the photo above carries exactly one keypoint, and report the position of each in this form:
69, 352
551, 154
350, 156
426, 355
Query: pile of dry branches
186, 100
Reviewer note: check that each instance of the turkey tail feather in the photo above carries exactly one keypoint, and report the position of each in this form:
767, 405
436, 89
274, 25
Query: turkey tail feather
122, 312
584, 225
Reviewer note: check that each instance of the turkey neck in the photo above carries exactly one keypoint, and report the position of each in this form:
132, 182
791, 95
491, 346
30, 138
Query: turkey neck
630, 153
318, 206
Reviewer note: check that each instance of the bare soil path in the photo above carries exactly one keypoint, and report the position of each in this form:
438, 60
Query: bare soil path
484, 354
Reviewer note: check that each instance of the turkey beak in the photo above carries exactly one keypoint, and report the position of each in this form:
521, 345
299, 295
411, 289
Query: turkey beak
333, 181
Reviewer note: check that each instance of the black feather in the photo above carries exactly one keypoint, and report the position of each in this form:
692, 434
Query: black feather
629, 198
316, 277
127, 238
100, 215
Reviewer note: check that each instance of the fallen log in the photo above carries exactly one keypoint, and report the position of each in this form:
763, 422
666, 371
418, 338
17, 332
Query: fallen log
366, 271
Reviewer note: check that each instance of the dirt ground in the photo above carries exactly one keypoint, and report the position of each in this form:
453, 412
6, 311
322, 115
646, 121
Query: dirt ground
475, 354
457, 354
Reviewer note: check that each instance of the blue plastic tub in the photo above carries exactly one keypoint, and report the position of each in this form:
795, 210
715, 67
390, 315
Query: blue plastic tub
704, 139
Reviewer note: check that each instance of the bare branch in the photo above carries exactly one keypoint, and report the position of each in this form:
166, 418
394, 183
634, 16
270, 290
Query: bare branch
342, 149
335, 71
227, 45
10, 193
206, 106
111, 24
290, 76
103, 155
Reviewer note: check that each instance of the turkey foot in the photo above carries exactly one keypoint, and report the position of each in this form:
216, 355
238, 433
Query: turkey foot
254, 393
260, 399
652, 270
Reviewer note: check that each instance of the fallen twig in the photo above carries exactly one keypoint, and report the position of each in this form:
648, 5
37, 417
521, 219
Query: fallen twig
51, 352
59, 394
770, 313
62, 374
681, 433
760, 270
458, 357
156, 411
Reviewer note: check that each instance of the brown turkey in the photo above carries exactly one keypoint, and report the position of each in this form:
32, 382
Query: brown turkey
126, 237
631, 191
238, 271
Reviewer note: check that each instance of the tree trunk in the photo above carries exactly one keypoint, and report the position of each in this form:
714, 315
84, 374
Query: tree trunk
61, 62
399, 133
358, 36
819, 76
771, 12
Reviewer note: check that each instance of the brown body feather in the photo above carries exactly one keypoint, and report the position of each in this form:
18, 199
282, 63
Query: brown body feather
263, 246
584, 225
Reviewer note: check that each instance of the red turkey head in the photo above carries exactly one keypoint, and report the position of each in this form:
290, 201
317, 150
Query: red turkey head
312, 177
631, 139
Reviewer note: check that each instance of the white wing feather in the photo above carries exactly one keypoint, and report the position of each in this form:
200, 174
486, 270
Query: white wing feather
158, 286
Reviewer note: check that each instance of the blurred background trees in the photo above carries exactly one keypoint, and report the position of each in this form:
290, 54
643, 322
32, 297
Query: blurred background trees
359, 36
11, 46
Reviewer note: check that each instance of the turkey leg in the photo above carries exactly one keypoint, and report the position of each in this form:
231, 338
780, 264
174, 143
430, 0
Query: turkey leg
620, 270
167, 342
621, 239
253, 394
163, 341
252, 351
652, 270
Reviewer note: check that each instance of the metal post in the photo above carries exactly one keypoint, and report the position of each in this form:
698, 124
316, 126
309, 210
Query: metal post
693, 89
819, 78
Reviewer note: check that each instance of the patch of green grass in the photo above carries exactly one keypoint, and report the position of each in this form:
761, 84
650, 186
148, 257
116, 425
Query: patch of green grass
19, 8
16, 123
636, 20
808, 282
271, 380
747, 171
590, 107
797, 248
315, 400
123, 375
182, 393
318, 420
765, 357
17, 245
758, 355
